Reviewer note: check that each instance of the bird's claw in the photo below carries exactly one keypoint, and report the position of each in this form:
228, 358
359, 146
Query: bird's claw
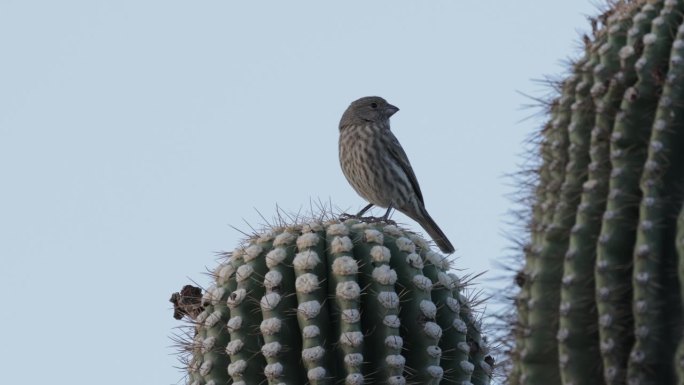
344, 216
370, 219
378, 219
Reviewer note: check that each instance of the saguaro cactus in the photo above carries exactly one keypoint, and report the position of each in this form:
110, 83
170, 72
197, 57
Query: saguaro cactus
601, 299
334, 302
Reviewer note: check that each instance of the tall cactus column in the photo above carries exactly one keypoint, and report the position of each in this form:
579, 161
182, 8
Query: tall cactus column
617, 236
577, 332
655, 256
540, 353
679, 358
613, 300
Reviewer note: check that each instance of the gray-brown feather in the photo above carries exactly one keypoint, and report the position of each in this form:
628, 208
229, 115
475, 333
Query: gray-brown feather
371, 169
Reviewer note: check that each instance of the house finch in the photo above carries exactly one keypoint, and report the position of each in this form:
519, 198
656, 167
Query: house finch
377, 167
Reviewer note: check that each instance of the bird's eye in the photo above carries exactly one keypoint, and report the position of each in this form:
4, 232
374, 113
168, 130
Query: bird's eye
374, 105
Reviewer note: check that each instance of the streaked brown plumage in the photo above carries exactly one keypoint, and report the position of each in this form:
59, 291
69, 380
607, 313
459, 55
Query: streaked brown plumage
377, 167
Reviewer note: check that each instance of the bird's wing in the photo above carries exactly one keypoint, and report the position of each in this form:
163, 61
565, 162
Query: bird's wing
398, 153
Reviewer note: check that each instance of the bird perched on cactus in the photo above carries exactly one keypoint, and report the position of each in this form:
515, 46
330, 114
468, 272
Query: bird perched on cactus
377, 167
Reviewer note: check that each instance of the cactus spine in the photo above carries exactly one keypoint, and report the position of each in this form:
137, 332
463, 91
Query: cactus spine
601, 301
333, 302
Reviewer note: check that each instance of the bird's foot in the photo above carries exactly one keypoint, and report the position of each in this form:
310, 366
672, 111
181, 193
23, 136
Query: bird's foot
378, 220
370, 219
344, 216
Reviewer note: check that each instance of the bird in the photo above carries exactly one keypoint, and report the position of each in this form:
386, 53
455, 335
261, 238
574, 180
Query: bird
377, 167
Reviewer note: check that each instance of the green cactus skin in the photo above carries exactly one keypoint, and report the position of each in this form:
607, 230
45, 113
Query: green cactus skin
455, 349
279, 322
620, 300
208, 360
482, 371
578, 332
245, 316
536, 227
337, 302
679, 358
613, 261
310, 265
343, 272
418, 312
540, 349
380, 307
654, 250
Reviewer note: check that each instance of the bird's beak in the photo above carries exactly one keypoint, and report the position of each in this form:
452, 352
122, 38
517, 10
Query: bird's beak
390, 110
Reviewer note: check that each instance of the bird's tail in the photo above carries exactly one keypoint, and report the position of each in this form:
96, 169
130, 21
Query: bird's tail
424, 219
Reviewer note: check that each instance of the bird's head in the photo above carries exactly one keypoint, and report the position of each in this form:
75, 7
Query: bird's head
368, 109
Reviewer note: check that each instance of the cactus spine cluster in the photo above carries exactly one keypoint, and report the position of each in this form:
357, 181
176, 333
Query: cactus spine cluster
601, 298
335, 302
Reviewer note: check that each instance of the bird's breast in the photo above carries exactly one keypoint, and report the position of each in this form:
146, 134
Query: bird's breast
364, 163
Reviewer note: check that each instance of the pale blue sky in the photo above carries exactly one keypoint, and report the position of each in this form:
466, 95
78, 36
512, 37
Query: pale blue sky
134, 133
